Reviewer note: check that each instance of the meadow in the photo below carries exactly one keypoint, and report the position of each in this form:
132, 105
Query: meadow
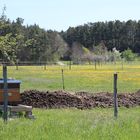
74, 124
79, 78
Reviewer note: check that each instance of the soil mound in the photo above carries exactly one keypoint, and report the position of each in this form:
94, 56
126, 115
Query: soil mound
80, 100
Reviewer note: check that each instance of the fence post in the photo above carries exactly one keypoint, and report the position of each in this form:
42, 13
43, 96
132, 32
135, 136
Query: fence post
115, 96
5, 94
44, 66
16, 65
70, 65
95, 64
122, 64
63, 79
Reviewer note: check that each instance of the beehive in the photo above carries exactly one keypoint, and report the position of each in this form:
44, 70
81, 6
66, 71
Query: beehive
13, 90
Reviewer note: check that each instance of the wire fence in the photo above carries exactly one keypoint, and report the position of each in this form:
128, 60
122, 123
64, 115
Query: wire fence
78, 77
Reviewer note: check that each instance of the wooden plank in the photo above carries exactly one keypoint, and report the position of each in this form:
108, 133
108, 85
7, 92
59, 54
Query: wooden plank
20, 108
25, 106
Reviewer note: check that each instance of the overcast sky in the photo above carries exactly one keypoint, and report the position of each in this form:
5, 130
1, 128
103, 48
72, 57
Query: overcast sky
60, 14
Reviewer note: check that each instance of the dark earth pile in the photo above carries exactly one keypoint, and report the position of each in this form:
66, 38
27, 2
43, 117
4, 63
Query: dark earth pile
80, 100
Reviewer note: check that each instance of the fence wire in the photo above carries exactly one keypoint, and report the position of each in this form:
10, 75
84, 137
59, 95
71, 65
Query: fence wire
78, 78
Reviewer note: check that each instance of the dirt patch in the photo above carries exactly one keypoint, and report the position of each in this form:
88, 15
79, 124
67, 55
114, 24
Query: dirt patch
80, 100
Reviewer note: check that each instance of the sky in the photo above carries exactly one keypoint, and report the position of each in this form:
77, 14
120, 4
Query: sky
61, 14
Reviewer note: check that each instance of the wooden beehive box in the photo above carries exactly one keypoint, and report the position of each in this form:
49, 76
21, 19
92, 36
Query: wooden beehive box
13, 91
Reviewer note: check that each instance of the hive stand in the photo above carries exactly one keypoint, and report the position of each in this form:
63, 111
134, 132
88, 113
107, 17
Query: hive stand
14, 110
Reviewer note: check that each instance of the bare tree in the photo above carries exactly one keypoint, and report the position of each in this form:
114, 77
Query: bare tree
77, 52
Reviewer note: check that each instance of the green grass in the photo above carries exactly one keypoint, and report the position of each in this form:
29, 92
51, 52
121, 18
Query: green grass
73, 124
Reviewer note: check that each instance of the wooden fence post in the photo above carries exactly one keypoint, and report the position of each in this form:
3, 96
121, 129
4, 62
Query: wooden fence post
16, 65
63, 85
115, 96
70, 65
5, 94
122, 64
44, 66
95, 65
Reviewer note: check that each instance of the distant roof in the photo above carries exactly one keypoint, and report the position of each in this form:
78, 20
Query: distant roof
10, 81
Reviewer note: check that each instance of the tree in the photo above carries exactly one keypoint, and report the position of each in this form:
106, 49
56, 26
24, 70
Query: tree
7, 48
100, 49
128, 55
121, 35
87, 55
56, 47
77, 52
116, 54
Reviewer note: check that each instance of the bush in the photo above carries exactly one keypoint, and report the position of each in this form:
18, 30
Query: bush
128, 55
